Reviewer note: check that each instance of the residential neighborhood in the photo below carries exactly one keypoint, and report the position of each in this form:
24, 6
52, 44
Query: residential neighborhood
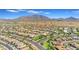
30, 31
18, 37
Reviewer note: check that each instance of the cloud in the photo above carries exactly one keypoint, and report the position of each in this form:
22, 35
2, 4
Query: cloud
75, 11
34, 12
15, 10
47, 13
21, 10
28, 11
12, 11
37, 12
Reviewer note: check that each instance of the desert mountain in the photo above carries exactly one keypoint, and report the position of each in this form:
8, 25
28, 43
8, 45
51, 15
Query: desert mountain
71, 18
36, 17
33, 18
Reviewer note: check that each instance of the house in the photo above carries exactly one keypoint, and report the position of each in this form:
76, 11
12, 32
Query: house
74, 36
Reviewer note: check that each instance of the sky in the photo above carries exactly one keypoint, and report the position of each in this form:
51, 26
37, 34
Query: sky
51, 13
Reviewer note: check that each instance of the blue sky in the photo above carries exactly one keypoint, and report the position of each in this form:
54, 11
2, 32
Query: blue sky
51, 13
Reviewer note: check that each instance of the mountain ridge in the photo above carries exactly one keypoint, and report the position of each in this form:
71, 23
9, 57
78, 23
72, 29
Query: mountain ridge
40, 18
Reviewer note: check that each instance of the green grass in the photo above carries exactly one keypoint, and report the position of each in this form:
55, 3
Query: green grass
46, 45
77, 33
38, 37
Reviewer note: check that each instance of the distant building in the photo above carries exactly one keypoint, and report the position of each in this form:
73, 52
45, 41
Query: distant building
74, 36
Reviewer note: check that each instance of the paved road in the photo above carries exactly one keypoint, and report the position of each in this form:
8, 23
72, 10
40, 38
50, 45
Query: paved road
32, 42
2, 39
6, 45
36, 44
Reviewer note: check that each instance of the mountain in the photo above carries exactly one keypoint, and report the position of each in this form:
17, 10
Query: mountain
67, 19
58, 19
33, 18
36, 17
71, 18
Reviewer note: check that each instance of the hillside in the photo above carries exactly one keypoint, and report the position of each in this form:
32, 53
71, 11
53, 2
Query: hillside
33, 18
